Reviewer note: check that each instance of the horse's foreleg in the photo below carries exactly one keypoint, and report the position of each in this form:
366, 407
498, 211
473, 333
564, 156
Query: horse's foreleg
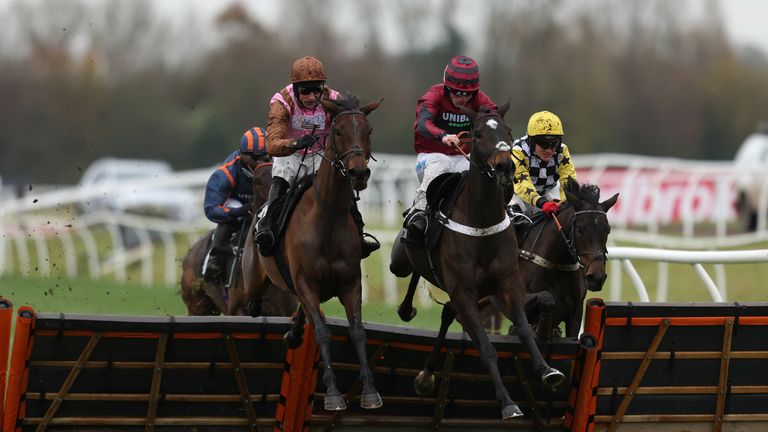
293, 337
545, 304
369, 397
406, 311
469, 316
424, 382
549, 376
573, 321
334, 401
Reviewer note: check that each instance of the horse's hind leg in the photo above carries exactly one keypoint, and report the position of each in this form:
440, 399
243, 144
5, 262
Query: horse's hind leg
424, 383
406, 311
369, 398
469, 316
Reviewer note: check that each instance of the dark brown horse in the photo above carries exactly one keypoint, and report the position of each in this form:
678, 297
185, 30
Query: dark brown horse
477, 257
561, 259
321, 246
205, 298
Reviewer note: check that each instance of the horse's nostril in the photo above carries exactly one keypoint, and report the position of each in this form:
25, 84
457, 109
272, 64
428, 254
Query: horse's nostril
360, 172
596, 281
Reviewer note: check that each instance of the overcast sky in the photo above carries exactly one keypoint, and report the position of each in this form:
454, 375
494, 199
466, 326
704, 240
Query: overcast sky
745, 19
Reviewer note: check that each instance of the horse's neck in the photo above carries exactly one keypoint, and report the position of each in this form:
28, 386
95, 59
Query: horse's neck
483, 197
333, 191
550, 243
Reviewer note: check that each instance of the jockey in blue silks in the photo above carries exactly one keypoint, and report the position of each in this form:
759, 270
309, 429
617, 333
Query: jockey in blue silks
229, 195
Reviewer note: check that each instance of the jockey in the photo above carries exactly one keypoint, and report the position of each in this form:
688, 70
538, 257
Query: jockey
542, 165
439, 120
228, 195
296, 131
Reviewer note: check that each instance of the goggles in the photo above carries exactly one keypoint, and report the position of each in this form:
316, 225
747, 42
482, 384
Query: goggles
305, 91
460, 93
548, 142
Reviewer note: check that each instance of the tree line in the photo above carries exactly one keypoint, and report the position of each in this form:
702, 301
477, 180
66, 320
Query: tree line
83, 80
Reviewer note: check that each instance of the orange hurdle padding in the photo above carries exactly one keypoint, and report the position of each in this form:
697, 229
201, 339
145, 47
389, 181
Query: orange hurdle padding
297, 388
6, 321
585, 403
19, 373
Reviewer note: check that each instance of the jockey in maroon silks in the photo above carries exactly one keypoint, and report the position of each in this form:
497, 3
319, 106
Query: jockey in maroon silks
439, 121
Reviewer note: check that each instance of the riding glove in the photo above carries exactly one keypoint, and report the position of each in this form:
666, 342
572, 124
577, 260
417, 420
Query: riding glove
305, 142
550, 207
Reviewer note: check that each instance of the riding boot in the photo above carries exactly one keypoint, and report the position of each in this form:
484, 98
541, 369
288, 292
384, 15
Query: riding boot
215, 268
368, 243
415, 225
265, 237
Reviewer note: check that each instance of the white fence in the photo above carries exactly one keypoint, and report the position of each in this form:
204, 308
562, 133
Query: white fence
668, 203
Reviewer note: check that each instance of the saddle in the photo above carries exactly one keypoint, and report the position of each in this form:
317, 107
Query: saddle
442, 193
291, 200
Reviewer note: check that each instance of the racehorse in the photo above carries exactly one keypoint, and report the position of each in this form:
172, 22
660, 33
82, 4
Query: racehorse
207, 298
563, 257
477, 257
319, 256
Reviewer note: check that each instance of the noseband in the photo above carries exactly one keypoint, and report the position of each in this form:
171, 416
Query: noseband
340, 161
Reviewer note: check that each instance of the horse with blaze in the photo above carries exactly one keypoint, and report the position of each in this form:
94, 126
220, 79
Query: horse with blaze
476, 257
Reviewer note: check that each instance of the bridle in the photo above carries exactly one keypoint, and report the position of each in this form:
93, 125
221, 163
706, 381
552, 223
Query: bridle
502, 146
569, 240
340, 161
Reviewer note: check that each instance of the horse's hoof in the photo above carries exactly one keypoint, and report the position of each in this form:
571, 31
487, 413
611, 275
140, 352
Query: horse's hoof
291, 341
424, 383
334, 403
553, 378
511, 411
254, 308
371, 401
406, 314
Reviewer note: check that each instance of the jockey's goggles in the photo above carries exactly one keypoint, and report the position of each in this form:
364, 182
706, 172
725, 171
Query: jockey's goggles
548, 142
305, 91
460, 93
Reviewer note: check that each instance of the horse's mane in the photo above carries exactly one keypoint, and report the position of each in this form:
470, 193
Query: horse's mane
587, 192
350, 102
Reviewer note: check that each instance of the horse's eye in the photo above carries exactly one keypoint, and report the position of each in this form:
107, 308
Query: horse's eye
337, 132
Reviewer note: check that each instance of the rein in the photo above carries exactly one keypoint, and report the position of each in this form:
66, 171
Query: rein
569, 241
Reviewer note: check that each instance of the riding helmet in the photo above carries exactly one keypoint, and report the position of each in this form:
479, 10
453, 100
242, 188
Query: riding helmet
254, 142
462, 74
545, 123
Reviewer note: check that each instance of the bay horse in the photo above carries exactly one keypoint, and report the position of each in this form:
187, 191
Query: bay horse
320, 252
477, 257
563, 257
207, 298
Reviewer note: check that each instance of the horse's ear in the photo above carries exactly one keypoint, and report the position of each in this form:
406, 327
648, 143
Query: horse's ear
504, 108
607, 204
368, 108
573, 199
331, 105
572, 185
468, 112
